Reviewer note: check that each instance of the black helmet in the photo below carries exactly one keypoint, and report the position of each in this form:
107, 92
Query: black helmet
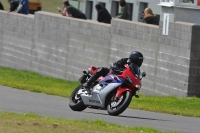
136, 57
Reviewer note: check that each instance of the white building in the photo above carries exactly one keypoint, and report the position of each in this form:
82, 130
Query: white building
181, 10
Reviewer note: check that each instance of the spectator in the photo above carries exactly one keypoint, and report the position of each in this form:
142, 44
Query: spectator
23, 7
1, 6
64, 11
125, 12
149, 17
103, 14
71, 11
13, 5
188, 1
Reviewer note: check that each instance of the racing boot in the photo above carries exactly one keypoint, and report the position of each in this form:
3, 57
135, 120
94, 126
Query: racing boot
90, 81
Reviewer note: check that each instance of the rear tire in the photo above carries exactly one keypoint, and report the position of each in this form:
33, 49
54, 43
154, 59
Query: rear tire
117, 107
75, 102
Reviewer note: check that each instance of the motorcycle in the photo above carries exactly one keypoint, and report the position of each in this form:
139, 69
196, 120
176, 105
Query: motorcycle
113, 92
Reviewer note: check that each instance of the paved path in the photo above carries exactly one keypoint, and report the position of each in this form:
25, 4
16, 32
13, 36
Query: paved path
21, 101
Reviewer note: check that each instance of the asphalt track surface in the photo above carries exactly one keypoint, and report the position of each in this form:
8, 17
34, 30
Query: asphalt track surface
20, 101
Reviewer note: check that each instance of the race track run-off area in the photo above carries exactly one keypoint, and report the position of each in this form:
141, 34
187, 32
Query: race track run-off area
20, 101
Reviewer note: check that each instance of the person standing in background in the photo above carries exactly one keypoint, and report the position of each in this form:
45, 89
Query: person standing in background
149, 17
13, 5
125, 11
71, 11
103, 14
23, 7
64, 11
1, 6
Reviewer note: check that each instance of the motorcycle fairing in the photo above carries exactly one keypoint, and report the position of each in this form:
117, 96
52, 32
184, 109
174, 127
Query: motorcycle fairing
111, 78
121, 90
98, 95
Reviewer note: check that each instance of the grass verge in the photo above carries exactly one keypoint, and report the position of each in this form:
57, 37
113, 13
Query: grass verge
38, 83
31, 123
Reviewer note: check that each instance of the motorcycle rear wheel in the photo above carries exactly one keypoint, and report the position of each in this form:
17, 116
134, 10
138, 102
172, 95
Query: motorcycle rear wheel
74, 103
117, 107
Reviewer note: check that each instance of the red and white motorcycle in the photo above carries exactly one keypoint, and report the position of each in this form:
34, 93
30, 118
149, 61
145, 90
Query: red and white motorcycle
112, 93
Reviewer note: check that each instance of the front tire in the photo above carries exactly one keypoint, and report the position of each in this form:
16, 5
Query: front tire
116, 107
75, 101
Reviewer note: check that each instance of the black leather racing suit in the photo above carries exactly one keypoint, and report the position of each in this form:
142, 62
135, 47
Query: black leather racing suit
103, 71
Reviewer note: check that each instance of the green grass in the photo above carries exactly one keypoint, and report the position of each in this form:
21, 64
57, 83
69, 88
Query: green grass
36, 83
172, 105
43, 84
31, 123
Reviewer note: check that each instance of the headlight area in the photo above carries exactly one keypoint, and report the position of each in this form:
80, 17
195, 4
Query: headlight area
138, 87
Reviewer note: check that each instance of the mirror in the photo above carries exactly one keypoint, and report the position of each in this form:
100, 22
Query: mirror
144, 74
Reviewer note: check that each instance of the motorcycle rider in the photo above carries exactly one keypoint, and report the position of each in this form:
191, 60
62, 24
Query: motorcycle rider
135, 58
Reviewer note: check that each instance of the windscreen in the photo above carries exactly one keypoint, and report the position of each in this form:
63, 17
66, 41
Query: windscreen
135, 69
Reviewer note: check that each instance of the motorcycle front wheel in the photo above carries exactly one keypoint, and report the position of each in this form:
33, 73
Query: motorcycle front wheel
117, 106
75, 101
